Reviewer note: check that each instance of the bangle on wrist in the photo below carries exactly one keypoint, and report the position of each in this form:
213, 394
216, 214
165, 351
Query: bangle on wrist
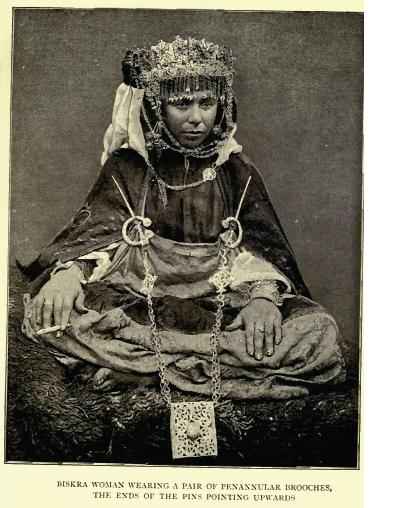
268, 290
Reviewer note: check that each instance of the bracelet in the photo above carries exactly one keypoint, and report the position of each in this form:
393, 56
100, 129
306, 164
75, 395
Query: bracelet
267, 289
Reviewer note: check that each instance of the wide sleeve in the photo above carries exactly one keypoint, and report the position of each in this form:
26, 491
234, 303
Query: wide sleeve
263, 234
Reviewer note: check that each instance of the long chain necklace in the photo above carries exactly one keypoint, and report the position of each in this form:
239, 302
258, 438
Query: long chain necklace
192, 424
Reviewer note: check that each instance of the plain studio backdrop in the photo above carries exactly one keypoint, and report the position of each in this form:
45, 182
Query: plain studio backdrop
299, 89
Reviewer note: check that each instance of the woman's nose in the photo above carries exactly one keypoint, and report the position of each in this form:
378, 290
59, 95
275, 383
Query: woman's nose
194, 115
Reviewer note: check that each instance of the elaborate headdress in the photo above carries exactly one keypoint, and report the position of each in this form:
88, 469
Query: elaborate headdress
176, 69
164, 72
180, 67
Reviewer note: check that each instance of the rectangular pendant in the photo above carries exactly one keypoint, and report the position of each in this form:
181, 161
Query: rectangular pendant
193, 431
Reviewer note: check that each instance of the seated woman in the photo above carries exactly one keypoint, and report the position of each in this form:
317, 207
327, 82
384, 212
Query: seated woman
177, 267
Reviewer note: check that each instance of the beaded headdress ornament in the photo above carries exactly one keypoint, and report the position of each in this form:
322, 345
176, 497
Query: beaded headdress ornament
173, 71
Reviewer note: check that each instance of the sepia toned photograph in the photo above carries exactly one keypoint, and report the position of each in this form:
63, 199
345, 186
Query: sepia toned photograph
185, 238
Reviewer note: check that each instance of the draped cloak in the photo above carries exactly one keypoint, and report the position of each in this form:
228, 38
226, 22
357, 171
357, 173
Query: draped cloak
309, 355
98, 223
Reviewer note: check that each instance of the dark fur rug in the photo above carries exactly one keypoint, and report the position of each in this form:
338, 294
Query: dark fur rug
55, 418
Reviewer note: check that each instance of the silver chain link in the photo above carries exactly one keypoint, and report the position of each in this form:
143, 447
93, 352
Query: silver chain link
148, 284
216, 389
221, 281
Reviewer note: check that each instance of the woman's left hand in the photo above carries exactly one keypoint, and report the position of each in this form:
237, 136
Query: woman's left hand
262, 322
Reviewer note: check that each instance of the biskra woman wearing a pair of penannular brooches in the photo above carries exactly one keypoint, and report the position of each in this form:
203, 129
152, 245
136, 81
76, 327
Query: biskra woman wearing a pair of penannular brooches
176, 271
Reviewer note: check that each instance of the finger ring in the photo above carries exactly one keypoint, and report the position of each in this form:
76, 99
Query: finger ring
260, 330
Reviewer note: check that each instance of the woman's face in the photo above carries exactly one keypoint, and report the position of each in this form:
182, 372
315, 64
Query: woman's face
191, 119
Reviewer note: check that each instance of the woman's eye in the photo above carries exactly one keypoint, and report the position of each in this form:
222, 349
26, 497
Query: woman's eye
207, 103
186, 102
181, 103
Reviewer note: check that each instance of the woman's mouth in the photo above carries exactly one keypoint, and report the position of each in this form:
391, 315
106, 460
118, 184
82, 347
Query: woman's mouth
191, 137
193, 134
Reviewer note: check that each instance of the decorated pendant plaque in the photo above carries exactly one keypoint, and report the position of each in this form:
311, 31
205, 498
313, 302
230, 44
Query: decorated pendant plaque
193, 432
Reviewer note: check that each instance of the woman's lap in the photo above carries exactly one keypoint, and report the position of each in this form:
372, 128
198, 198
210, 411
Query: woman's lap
114, 334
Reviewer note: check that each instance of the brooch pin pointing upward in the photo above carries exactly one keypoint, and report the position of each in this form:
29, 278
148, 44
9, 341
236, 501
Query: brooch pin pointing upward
232, 223
138, 222
128, 206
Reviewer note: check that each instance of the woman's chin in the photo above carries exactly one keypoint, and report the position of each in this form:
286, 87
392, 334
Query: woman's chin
188, 144
191, 141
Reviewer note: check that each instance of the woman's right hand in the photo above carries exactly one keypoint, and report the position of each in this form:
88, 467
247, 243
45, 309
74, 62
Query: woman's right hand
53, 304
